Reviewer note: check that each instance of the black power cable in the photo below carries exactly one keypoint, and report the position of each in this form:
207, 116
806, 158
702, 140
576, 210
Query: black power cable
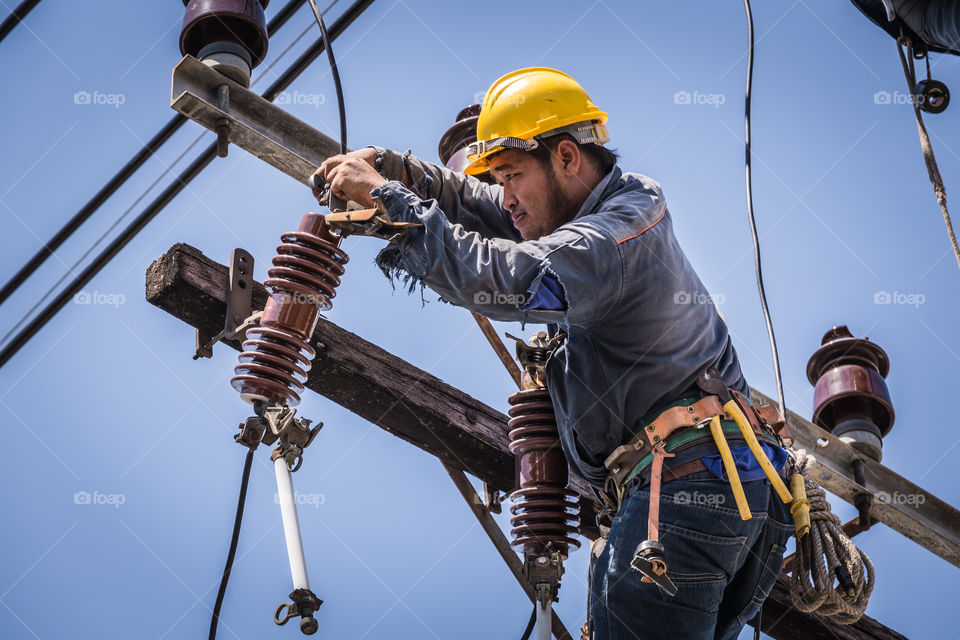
56, 285
753, 222
234, 539
16, 17
336, 77
530, 623
758, 621
119, 178
284, 81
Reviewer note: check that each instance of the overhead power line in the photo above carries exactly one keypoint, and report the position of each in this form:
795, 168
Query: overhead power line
16, 17
120, 177
172, 190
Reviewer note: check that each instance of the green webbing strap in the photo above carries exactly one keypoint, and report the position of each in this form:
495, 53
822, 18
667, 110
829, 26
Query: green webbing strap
685, 437
691, 435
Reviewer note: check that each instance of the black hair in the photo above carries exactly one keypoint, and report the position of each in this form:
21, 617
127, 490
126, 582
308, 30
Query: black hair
604, 159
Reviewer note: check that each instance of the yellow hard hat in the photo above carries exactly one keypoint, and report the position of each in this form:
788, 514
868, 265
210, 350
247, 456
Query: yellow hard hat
532, 102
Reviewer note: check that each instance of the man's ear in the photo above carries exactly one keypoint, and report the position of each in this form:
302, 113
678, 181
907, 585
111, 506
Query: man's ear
568, 155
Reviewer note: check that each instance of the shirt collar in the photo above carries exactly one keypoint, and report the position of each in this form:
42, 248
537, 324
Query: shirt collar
604, 188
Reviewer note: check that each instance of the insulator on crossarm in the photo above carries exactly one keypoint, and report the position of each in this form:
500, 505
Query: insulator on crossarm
277, 355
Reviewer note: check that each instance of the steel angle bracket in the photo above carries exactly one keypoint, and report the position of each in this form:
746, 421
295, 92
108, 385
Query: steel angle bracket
248, 120
898, 503
239, 313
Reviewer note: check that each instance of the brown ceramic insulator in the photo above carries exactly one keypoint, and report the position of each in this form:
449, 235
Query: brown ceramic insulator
848, 377
453, 144
544, 509
277, 355
241, 22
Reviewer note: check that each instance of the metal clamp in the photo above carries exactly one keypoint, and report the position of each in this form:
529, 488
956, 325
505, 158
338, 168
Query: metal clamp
304, 603
533, 357
294, 434
239, 315
369, 222
544, 571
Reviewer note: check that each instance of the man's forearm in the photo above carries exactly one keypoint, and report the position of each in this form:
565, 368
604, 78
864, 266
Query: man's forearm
464, 200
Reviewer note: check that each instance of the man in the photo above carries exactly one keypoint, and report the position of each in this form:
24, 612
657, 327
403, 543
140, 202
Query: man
566, 239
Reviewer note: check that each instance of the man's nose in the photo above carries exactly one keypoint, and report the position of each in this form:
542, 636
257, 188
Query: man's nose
509, 200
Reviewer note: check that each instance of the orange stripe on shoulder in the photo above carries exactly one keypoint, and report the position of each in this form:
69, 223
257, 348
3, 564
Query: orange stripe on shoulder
653, 224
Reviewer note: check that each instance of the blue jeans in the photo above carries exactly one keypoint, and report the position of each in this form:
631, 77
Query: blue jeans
723, 567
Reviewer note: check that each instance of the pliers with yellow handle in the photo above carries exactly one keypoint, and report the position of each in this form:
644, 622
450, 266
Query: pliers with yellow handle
730, 467
711, 382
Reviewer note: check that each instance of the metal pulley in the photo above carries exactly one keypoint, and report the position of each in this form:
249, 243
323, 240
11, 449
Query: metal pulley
932, 96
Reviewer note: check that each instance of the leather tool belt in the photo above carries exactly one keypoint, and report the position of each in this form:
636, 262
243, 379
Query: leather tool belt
672, 424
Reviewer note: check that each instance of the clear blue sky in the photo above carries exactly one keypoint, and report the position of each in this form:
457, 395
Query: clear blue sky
106, 398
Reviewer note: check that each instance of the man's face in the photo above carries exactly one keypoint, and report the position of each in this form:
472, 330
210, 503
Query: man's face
531, 193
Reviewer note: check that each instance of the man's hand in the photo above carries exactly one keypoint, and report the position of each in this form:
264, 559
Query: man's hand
351, 176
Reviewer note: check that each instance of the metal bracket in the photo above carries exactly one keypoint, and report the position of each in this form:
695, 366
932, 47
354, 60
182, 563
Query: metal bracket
533, 357
369, 222
239, 315
898, 503
492, 498
543, 572
248, 120
294, 434
304, 604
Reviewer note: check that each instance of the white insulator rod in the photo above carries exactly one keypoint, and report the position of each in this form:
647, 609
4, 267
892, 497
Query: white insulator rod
291, 525
544, 621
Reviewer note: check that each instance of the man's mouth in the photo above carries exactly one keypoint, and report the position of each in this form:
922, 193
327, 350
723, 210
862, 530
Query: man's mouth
517, 217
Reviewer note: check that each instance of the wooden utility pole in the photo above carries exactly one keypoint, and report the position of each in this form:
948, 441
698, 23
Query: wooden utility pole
414, 405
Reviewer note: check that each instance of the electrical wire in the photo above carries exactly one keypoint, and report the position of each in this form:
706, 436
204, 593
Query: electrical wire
16, 17
531, 623
97, 242
50, 291
291, 73
119, 178
753, 222
758, 621
336, 77
234, 539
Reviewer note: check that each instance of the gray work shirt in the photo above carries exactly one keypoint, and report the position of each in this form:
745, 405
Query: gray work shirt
640, 324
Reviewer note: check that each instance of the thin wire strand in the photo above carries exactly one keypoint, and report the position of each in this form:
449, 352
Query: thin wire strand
336, 76
16, 16
306, 58
118, 180
143, 194
234, 540
753, 223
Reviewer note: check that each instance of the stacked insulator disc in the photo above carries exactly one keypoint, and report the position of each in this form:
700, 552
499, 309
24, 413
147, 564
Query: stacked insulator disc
277, 354
850, 396
545, 510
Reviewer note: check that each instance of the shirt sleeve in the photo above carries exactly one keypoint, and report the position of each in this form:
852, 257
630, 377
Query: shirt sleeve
579, 265
464, 200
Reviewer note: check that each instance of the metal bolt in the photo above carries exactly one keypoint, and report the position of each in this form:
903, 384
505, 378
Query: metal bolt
223, 124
